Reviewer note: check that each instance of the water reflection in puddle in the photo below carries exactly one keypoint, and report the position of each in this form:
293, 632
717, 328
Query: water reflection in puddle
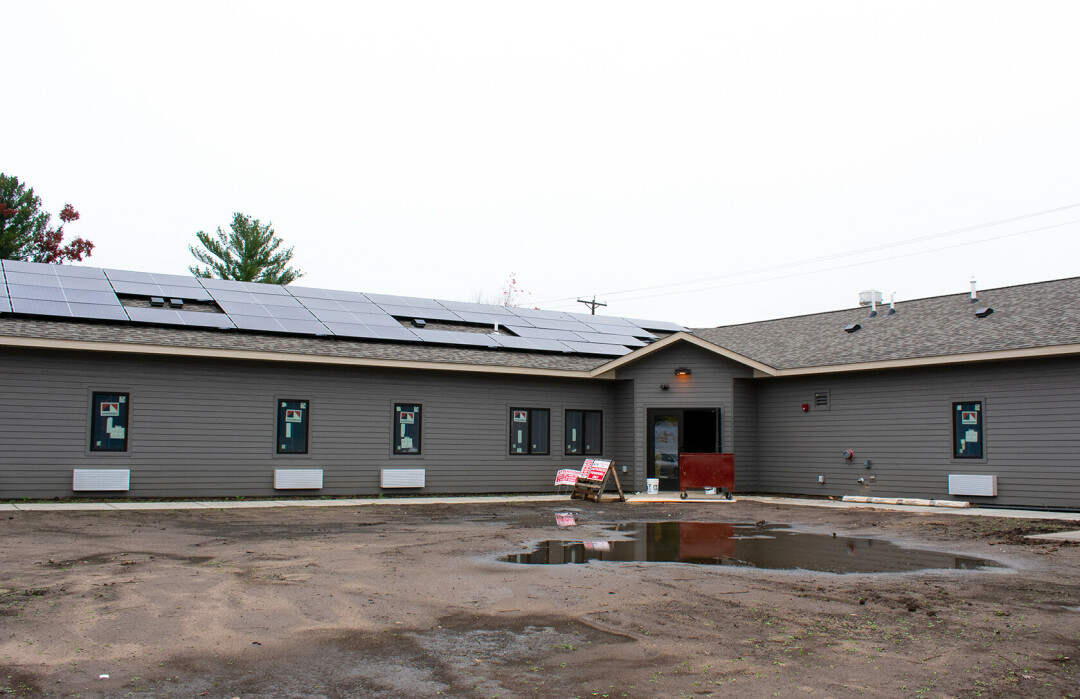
760, 545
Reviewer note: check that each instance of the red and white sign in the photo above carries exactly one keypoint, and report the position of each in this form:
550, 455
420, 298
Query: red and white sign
292, 416
521, 416
110, 409
407, 418
969, 417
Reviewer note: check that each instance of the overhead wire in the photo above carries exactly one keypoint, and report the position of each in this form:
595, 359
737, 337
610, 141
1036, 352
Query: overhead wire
825, 258
852, 264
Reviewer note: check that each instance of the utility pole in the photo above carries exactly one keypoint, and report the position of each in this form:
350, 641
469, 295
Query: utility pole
591, 304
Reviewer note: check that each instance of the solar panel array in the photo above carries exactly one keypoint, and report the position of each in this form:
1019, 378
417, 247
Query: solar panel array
61, 291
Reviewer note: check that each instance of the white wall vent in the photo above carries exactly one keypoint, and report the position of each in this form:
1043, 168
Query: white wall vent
101, 479
985, 486
297, 478
402, 478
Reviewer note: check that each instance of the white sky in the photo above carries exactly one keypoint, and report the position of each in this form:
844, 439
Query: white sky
432, 148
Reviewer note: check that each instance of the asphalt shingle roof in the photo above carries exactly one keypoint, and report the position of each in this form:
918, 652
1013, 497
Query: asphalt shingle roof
1027, 316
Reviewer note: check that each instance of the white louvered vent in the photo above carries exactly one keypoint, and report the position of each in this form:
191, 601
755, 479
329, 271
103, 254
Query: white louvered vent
101, 479
402, 478
973, 485
297, 478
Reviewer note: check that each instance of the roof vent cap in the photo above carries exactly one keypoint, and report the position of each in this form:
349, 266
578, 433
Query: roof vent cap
852, 328
157, 301
419, 322
983, 312
869, 297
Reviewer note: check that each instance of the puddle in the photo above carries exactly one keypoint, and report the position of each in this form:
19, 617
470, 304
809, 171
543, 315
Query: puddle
767, 546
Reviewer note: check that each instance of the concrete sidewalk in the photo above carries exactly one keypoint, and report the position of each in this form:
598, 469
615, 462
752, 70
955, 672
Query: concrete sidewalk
106, 506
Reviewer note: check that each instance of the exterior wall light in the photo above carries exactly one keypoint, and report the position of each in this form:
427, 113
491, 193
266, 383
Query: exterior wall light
682, 371
664, 387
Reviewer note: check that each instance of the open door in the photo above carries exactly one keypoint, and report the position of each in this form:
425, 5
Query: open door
676, 431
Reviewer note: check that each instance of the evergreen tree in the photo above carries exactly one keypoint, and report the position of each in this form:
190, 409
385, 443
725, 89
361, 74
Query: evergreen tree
249, 253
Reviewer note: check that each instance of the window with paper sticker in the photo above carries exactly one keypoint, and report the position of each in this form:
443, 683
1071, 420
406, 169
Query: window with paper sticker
584, 432
109, 422
529, 430
968, 430
292, 426
406, 428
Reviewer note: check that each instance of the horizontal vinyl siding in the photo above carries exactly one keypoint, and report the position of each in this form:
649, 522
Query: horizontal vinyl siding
902, 421
745, 422
203, 428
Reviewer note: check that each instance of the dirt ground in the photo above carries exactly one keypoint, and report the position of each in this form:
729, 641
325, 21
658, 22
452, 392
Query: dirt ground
413, 601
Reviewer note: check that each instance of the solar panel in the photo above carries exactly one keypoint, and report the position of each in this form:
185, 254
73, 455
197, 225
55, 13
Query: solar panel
29, 279
303, 327
425, 312
260, 323
40, 308
103, 298
28, 267
602, 338
556, 324
476, 307
351, 330
491, 318
97, 311
87, 292
529, 343
597, 348
456, 337
39, 293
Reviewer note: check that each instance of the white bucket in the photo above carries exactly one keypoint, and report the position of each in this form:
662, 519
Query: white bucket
710, 491
652, 486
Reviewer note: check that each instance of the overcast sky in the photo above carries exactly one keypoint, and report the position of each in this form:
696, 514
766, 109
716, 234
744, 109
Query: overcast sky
706, 163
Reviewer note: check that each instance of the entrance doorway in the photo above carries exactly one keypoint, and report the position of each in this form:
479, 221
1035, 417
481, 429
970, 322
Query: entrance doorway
679, 431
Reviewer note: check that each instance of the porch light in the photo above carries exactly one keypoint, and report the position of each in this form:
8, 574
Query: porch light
682, 371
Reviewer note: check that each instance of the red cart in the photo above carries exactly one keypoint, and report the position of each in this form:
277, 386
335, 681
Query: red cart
707, 471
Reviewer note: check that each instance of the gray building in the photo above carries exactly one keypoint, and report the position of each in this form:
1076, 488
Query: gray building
145, 385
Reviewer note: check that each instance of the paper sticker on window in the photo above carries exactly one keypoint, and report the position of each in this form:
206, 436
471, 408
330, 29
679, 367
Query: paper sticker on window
110, 409
521, 416
292, 416
971, 437
969, 417
407, 418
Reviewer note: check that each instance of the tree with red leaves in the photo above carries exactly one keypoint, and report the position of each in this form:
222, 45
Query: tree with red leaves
25, 233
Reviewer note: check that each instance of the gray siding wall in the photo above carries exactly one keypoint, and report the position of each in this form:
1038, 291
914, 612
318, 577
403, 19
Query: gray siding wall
202, 428
902, 421
708, 386
745, 419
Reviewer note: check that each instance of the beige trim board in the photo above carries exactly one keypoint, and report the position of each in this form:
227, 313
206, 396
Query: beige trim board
254, 355
971, 357
604, 370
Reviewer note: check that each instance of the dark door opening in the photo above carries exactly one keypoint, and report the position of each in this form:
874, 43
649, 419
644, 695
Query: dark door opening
679, 431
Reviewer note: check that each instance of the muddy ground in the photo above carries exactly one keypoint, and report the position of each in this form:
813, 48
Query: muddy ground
413, 601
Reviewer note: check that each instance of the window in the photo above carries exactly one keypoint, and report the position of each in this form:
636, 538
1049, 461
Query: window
968, 430
108, 422
584, 432
406, 428
292, 426
529, 430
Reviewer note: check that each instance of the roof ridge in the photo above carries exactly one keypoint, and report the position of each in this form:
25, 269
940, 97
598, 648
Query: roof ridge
898, 303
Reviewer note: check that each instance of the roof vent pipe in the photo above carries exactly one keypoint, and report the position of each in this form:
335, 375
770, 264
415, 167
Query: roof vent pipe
892, 303
496, 328
974, 295
873, 307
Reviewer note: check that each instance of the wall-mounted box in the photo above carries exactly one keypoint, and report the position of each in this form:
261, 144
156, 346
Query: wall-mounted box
402, 478
982, 486
297, 478
101, 479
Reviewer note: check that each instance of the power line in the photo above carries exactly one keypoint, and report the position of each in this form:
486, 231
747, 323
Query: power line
825, 258
851, 264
